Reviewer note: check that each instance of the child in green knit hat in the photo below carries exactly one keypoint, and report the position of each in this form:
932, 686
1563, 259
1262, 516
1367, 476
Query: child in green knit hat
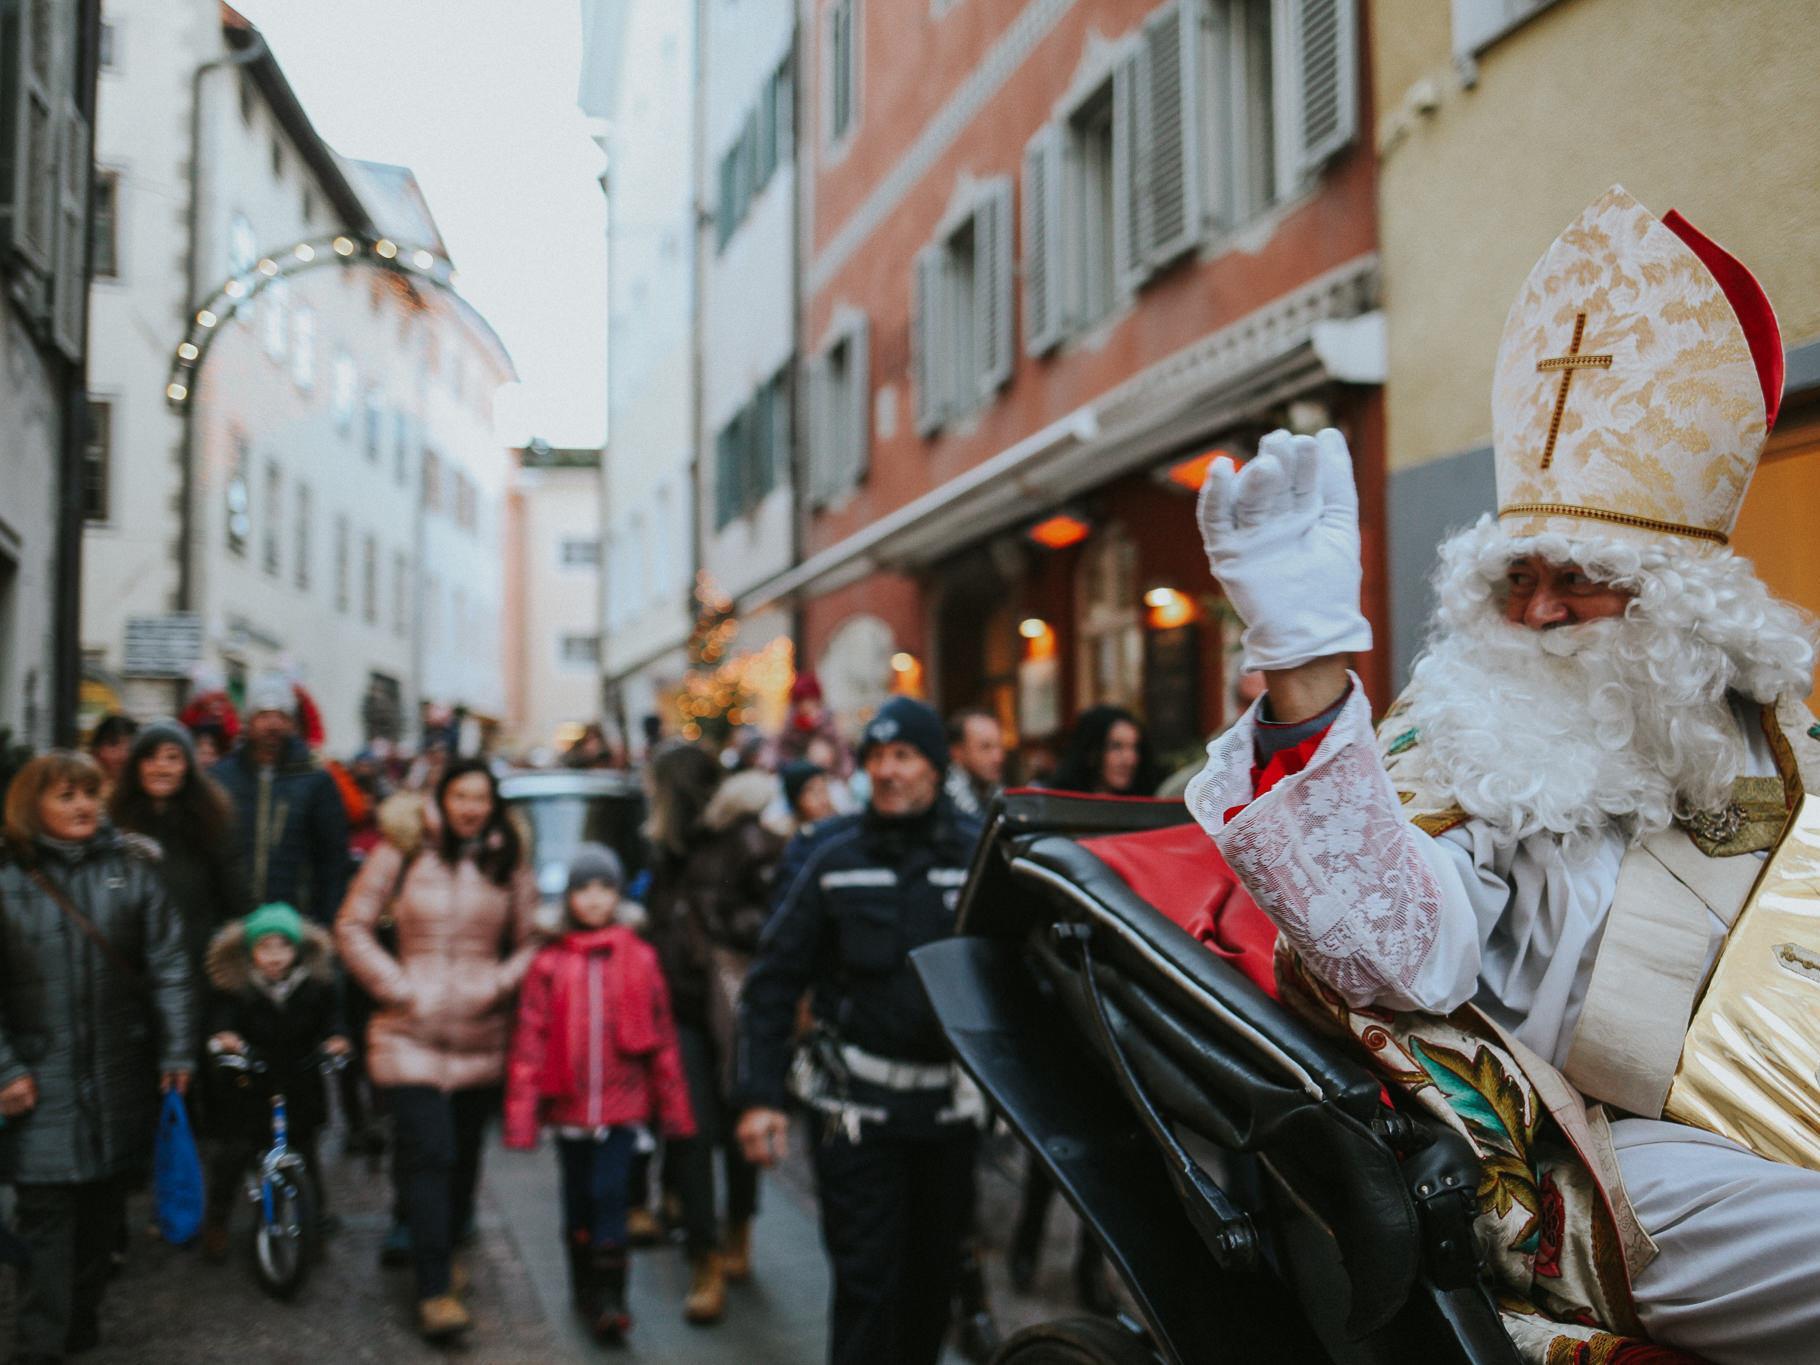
273, 993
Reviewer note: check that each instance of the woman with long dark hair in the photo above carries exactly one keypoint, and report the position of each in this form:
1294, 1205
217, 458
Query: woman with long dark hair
460, 900
712, 862
165, 795
1108, 754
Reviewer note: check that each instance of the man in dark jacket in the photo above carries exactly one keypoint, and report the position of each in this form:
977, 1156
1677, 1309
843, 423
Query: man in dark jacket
895, 1124
290, 826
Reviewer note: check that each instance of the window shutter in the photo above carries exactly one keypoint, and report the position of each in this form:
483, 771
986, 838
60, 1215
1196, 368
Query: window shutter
1042, 257
763, 444
1169, 204
723, 476
31, 47
994, 298
819, 455
1320, 48
858, 414
1128, 173
69, 300
925, 330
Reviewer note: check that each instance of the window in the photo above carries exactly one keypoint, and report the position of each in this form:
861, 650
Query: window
97, 458
580, 651
243, 254
582, 553
277, 296
274, 510
300, 547
432, 481
375, 422
369, 581
277, 156
401, 448
842, 69
69, 280
303, 347
748, 449
104, 226
237, 494
309, 206
107, 46
1091, 277
1244, 128
30, 187
764, 142
1111, 624
343, 539
246, 100
344, 385
401, 592
961, 311
840, 416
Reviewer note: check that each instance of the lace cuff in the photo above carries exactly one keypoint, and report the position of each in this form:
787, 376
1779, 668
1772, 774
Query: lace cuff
1327, 854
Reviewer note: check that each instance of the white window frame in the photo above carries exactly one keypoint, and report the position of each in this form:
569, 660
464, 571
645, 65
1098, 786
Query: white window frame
835, 142
567, 558
963, 330
567, 662
840, 413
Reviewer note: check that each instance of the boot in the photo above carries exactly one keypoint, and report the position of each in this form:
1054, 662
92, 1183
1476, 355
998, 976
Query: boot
611, 1319
442, 1318
584, 1286
642, 1228
737, 1263
707, 1301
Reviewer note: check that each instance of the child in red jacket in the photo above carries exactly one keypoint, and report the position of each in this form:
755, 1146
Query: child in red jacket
595, 1058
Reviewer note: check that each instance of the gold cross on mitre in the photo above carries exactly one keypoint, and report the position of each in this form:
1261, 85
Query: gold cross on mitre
1567, 364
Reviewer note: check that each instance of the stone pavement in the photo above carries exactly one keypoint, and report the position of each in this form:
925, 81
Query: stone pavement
168, 1305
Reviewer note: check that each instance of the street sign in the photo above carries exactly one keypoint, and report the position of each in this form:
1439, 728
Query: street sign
163, 646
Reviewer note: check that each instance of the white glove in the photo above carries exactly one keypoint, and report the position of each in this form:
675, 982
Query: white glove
1282, 536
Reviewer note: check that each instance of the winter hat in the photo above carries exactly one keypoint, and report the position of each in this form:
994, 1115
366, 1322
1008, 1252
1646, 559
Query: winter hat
596, 863
271, 692
807, 687
275, 917
797, 775
907, 721
164, 730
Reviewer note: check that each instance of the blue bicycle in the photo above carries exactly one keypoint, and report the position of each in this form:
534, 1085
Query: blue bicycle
287, 1206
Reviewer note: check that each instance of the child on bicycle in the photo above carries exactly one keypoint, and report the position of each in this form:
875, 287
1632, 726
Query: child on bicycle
273, 994
595, 1058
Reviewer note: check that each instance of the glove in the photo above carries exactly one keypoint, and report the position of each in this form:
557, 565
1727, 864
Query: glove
1282, 537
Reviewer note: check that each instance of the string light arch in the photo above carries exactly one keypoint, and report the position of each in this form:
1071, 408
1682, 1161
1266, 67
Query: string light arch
346, 249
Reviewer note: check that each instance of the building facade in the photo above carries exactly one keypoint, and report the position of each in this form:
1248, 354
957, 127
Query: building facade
552, 597
49, 54
1047, 267
638, 77
1498, 121
325, 496
745, 501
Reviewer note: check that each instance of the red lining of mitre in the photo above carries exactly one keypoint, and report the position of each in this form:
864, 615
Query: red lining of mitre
1748, 301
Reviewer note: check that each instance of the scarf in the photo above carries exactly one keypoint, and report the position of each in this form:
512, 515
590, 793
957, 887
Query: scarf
629, 999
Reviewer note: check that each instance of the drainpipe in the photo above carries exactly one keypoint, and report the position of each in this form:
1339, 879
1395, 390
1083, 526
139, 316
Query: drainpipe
192, 269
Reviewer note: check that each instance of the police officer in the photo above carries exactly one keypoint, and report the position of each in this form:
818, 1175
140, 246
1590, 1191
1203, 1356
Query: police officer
895, 1124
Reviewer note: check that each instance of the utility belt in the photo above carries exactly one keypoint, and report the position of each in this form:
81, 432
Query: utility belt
826, 1071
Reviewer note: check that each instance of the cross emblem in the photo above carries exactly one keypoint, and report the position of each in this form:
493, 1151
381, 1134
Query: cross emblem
1567, 364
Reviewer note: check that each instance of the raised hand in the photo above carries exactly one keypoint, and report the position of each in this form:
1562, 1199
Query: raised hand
1282, 537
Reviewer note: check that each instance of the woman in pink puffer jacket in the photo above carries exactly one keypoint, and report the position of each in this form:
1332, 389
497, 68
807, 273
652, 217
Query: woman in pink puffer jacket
452, 879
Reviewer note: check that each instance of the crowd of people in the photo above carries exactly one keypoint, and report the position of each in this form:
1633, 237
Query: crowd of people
187, 890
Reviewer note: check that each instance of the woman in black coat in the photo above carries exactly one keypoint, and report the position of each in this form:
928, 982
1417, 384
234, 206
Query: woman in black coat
95, 1003
165, 795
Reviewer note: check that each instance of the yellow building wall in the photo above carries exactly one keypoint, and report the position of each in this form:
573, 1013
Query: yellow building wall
1708, 106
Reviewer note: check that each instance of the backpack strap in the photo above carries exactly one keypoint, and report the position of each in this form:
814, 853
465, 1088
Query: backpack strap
94, 935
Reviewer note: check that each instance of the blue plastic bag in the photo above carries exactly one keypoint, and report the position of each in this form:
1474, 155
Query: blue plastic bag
177, 1190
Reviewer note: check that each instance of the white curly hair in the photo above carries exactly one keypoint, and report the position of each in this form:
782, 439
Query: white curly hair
1631, 720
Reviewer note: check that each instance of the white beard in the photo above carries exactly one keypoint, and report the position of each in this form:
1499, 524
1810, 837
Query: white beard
1615, 723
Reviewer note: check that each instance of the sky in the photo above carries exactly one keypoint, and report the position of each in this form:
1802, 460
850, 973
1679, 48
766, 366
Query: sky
478, 98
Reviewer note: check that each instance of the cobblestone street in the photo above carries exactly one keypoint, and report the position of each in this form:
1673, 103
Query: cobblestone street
169, 1305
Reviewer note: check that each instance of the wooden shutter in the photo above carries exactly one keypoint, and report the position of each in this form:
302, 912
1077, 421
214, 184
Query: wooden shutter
1128, 173
33, 49
1320, 63
1170, 213
926, 331
858, 407
820, 453
69, 297
1043, 321
994, 298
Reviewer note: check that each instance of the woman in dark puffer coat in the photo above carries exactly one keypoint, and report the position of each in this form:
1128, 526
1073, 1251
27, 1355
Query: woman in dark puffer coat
86, 1027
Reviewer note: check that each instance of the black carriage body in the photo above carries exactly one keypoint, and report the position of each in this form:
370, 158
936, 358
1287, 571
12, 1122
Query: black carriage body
1240, 1168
